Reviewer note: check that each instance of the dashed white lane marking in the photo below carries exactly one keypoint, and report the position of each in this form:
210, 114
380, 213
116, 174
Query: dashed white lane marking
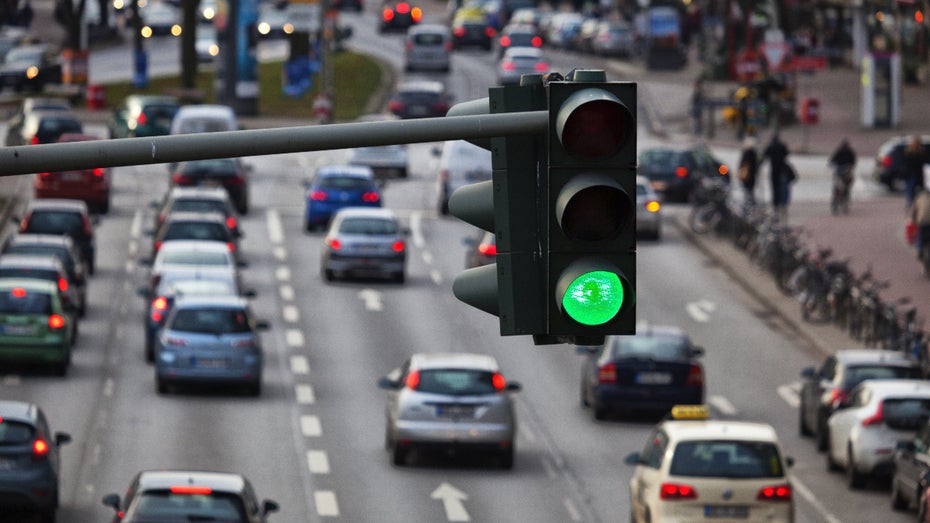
290, 314
571, 509
416, 229
550, 468
318, 461
108, 387
282, 274
310, 426
326, 504
701, 310
275, 230
300, 365
305, 394
280, 253
790, 394
372, 299
427, 257
135, 228
811, 498
286, 292
294, 338
436, 276
723, 405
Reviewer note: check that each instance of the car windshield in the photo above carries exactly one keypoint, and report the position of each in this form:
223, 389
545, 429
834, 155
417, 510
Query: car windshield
211, 321
456, 382
651, 347
195, 258
726, 459
22, 301
856, 375
660, 159
15, 433
55, 222
369, 226
163, 506
345, 183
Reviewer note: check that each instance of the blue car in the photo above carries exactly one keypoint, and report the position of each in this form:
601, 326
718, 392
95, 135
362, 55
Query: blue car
210, 340
337, 186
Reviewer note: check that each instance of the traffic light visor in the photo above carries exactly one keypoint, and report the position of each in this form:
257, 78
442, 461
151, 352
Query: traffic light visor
594, 124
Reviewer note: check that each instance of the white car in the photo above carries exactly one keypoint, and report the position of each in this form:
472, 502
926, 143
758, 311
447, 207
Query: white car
648, 217
460, 163
203, 118
863, 432
696, 469
187, 254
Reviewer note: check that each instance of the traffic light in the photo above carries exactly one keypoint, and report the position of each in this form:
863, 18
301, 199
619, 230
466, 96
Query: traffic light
590, 202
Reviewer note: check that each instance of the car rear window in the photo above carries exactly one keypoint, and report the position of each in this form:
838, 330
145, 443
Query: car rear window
59, 126
210, 321
906, 413
55, 222
199, 287
651, 347
28, 272
160, 111
856, 375
187, 205
428, 39
726, 459
371, 226
164, 506
204, 125
48, 250
15, 432
346, 183
212, 166
456, 382
196, 231
21, 301
195, 258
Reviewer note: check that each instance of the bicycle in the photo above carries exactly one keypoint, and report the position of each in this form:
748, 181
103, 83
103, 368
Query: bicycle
842, 187
711, 207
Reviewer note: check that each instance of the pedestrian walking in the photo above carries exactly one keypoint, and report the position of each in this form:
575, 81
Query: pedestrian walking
697, 106
919, 214
913, 163
843, 161
782, 175
748, 170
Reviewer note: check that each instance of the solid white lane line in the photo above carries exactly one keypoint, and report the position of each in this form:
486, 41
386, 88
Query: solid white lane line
275, 230
305, 394
326, 504
310, 426
135, 228
294, 338
318, 461
300, 365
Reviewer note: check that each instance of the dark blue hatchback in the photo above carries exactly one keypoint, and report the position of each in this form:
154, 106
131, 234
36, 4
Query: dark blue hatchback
651, 371
338, 186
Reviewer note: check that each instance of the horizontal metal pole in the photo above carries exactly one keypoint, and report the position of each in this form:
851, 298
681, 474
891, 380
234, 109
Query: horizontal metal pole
28, 159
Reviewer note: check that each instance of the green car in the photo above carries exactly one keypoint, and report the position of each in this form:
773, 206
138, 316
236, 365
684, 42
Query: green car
34, 326
143, 115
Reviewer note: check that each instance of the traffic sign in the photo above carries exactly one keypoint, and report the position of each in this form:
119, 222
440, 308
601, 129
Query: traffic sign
775, 53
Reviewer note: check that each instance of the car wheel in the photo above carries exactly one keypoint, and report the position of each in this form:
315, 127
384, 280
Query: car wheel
105, 206
600, 413
506, 458
48, 515
854, 478
61, 369
822, 432
897, 500
584, 396
149, 350
803, 429
255, 389
402, 173
832, 465
444, 207
161, 386
328, 275
308, 227
399, 456
399, 277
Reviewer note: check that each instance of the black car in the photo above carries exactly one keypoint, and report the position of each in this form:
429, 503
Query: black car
30, 67
420, 99
472, 32
674, 171
30, 452
43, 126
229, 173
70, 218
654, 370
911, 474
61, 247
889, 161
823, 389
399, 16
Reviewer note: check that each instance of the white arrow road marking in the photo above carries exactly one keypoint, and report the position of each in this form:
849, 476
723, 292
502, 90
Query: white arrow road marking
791, 393
452, 498
372, 299
700, 310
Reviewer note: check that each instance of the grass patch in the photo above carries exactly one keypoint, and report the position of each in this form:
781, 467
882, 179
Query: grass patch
357, 79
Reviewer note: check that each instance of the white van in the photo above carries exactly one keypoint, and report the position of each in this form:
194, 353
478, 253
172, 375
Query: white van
460, 163
204, 118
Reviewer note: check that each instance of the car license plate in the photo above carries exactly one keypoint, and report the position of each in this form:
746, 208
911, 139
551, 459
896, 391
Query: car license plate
653, 378
19, 330
659, 186
210, 363
726, 511
455, 411
8, 463
419, 110
71, 177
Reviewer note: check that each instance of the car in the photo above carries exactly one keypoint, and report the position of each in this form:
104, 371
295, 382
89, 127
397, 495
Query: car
61, 247
206, 45
482, 249
911, 471
863, 432
562, 28
656, 369
382, 159
648, 210
195, 226
210, 340
189, 281
824, 388
57, 216
514, 35
204, 118
143, 115
675, 170
693, 468
460, 163
48, 268
30, 67
188, 254
583, 40
420, 99
160, 19
273, 21
398, 16
428, 47
364, 241
519, 61
614, 38
346, 5
230, 173
32, 104
455, 402
12, 36
470, 28
889, 167
92, 186
31, 480
35, 327
189, 495
43, 126
336, 186
207, 11
199, 199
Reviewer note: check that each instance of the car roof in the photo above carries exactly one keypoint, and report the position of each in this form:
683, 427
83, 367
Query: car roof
29, 260
883, 387
361, 171
50, 114
685, 430
421, 85
428, 28
455, 360
163, 479
526, 52
852, 356
19, 410
194, 216
197, 191
366, 212
205, 110
31, 284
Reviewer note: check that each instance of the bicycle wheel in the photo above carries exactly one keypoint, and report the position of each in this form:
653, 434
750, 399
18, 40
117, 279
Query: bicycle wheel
703, 218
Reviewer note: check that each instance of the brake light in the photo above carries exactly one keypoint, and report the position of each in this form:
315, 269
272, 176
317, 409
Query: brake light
62, 284
676, 491
498, 381
488, 249
18, 292
448, 46
39, 447
886, 160
489, 32
334, 243
723, 170
231, 246
398, 246
98, 172
681, 172
441, 107
403, 8
190, 489
387, 14
505, 41
875, 419
541, 67
88, 228
396, 106
775, 493
370, 197
536, 41
231, 222
413, 379
45, 175
159, 306
157, 245
56, 321
318, 196
838, 396
508, 66
142, 119
653, 206
235, 180
181, 179
416, 13
607, 373
695, 376
459, 31
34, 140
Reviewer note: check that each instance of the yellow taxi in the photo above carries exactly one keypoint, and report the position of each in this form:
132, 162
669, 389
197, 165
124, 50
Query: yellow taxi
696, 469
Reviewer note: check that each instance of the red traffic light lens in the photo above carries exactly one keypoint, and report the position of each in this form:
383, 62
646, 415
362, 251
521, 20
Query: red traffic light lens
593, 208
594, 124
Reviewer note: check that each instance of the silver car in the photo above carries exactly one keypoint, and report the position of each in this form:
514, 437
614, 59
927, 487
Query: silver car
648, 210
383, 159
428, 46
451, 402
366, 241
519, 61
460, 163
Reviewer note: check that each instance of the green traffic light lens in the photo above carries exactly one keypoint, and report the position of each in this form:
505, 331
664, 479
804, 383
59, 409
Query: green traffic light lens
594, 298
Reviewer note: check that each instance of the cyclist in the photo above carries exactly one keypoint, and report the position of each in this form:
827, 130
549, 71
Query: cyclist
843, 161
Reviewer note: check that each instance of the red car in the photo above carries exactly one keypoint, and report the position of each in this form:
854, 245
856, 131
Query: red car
90, 185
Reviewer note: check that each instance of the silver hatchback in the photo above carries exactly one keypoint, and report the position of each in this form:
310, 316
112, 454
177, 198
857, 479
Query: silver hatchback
365, 241
428, 46
451, 402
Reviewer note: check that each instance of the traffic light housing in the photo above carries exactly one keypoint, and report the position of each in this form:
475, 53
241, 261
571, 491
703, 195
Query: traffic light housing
590, 202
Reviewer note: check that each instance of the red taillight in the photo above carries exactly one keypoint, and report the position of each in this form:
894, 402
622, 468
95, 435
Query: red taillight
403, 8
34, 140
838, 396
775, 493
875, 419
231, 246
607, 373
459, 31
88, 228
395, 106
181, 179
387, 15
541, 67
498, 381
157, 245
160, 303
508, 66
536, 41
56, 321
695, 376
490, 32
448, 46
677, 491
334, 243
18, 292
191, 489
398, 246
681, 172
235, 181
886, 160
441, 107
413, 379
505, 41
45, 175
40, 447
98, 172
142, 119
370, 197
318, 196
62, 284
231, 222
488, 249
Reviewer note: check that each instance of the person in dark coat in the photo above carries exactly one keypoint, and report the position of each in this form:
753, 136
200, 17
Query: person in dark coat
777, 155
913, 163
749, 169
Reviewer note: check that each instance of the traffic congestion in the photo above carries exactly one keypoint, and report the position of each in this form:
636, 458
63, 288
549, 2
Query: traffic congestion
275, 338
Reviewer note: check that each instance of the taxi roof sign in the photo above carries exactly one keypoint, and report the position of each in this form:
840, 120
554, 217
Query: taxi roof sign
690, 412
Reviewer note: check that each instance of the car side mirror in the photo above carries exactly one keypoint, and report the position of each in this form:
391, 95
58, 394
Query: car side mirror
242, 264
633, 459
697, 351
249, 293
144, 292
906, 445
111, 500
269, 506
513, 386
146, 262
387, 383
436, 151
62, 438
262, 325
789, 461
808, 372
